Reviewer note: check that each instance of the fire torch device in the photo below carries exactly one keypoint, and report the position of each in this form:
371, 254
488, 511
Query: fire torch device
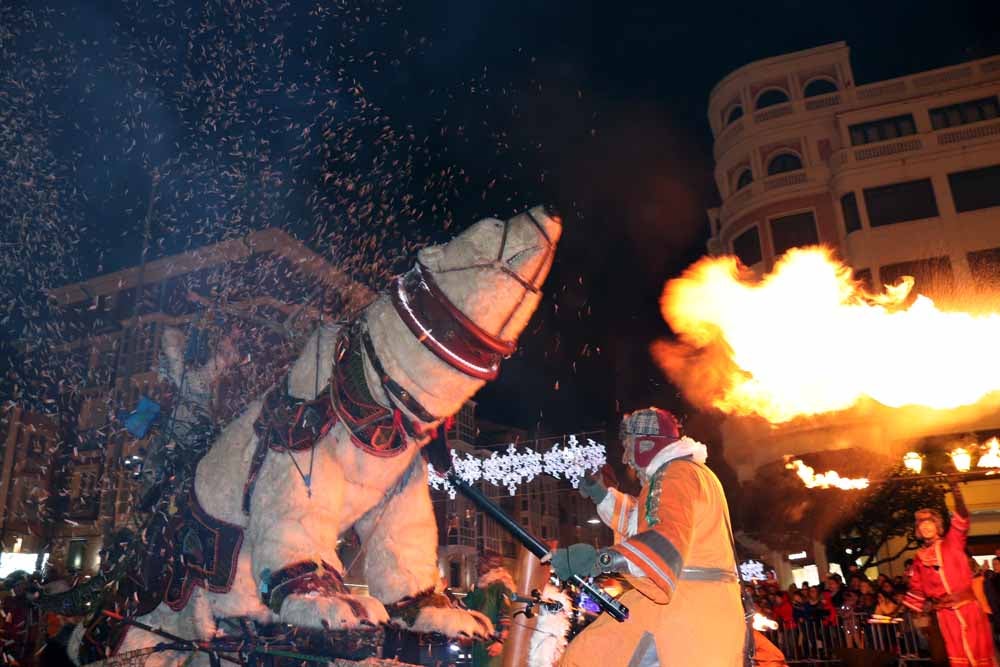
616, 609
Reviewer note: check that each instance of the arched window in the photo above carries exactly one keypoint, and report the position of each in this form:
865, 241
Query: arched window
744, 179
782, 163
734, 114
771, 97
819, 87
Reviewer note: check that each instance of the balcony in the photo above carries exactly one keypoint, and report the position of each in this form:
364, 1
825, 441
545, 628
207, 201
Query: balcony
937, 141
729, 137
778, 111
772, 187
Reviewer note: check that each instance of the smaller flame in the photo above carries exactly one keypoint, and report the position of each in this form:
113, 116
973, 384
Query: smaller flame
962, 459
761, 623
991, 459
826, 480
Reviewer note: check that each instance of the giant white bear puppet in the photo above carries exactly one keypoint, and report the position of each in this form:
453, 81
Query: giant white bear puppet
375, 391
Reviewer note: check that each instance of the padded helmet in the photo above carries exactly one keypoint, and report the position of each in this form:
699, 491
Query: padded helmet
645, 433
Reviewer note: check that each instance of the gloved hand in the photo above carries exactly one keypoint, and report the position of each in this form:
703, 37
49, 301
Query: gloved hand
593, 488
578, 559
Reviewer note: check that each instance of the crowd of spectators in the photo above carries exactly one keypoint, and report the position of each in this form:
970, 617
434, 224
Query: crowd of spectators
847, 608
831, 600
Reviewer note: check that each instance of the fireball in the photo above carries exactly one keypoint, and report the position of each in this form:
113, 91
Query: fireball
807, 339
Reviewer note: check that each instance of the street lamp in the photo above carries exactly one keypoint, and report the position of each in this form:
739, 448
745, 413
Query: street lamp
914, 462
962, 459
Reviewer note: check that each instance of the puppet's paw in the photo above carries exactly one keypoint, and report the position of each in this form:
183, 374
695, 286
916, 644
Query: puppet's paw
337, 611
434, 612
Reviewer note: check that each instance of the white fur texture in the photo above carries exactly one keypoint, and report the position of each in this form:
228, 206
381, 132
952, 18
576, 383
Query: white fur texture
548, 641
289, 522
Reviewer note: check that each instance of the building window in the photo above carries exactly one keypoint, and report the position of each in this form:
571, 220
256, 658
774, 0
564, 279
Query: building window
734, 114
882, 130
818, 87
985, 268
962, 113
746, 246
899, 202
745, 178
771, 97
975, 189
454, 575
782, 163
852, 219
793, 231
932, 277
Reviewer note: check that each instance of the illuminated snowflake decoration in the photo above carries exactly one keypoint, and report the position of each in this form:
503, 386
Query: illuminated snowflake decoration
514, 467
439, 482
574, 460
752, 570
468, 469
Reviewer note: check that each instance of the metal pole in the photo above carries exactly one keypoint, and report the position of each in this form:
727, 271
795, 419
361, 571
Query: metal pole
968, 476
617, 610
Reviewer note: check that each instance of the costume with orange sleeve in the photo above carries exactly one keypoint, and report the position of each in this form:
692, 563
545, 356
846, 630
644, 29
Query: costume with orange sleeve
941, 579
675, 549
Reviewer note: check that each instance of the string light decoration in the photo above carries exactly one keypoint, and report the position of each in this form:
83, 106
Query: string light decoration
515, 467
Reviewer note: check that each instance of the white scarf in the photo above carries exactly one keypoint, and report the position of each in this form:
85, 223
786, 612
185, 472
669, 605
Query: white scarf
684, 447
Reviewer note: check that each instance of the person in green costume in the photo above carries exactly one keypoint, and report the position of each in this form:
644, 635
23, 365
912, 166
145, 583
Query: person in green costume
491, 597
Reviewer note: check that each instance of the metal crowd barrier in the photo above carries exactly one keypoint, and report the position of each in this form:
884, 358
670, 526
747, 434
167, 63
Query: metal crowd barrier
852, 639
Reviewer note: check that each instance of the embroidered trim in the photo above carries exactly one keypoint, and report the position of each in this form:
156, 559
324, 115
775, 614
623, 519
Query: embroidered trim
653, 498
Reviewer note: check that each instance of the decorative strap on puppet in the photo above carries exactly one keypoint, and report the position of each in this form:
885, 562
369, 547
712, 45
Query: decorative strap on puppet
392, 387
299, 579
287, 423
444, 329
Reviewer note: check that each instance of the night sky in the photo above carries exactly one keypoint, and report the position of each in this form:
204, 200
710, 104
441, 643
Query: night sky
369, 129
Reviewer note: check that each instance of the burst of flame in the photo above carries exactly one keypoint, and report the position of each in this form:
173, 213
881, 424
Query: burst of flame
762, 623
991, 459
827, 480
806, 340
